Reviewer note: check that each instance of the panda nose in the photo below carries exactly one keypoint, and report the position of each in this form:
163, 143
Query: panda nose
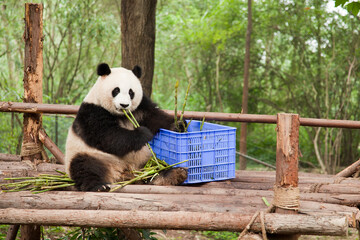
124, 105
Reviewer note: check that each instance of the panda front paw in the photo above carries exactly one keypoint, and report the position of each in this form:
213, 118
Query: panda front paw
180, 127
173, 176
100, 188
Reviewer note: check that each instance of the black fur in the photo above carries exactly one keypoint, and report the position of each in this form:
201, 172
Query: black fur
88, 173
137, 71
100, 129
103, 69
153, 117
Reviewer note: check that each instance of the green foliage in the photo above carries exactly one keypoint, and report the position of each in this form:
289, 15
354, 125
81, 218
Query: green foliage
300, 62
352, 7
221, 235
3, 231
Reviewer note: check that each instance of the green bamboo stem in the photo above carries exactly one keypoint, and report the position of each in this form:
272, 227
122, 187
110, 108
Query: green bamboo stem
138, 125
202, 123
176, 98
133, 120
44, 182
144, 176
184, 104
133, 123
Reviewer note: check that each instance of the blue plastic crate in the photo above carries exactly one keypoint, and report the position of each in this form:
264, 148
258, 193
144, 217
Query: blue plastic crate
210, 152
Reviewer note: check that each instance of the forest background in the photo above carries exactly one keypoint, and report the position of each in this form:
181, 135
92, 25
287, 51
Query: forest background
304, 59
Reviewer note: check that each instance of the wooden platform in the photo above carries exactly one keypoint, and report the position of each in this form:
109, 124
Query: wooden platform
328, 205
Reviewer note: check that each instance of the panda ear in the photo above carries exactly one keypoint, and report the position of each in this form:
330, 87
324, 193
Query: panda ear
137, 71
103, 69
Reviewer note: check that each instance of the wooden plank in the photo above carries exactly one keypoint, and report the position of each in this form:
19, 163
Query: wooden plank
246, 202
274, 223
10, 157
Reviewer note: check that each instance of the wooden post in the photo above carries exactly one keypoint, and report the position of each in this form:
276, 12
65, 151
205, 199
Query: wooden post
33, 74
12, 232
286, 191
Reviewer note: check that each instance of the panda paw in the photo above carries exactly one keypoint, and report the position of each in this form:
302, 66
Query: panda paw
180, 127
100, 188
145, 134
173, 176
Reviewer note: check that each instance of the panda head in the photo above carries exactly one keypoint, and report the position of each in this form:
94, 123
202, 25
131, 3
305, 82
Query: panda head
118, 88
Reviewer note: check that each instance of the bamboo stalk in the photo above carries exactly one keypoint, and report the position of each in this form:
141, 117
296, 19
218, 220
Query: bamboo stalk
175, 104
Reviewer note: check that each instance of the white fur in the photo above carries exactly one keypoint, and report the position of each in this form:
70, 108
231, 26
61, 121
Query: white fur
101, 93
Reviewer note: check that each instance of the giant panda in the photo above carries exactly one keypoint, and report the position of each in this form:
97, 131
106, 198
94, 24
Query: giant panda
102, 145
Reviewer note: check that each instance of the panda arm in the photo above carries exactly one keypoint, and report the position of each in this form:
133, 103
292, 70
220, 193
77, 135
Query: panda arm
153, 117
101, 130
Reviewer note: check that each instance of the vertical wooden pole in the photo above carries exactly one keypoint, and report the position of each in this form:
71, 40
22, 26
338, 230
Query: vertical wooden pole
287, 150
33, 74
12, 232
286, 191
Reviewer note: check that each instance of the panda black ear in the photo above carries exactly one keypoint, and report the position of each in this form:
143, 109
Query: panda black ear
103, 69
137, 71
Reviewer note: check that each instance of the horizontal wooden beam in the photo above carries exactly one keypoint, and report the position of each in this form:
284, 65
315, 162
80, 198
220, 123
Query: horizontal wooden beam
230, 117
167, 199
274, 223
250, 180
10, 157
38, 108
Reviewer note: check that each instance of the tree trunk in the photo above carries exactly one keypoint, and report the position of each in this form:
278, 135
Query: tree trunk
138, 38
33, 74
243, 130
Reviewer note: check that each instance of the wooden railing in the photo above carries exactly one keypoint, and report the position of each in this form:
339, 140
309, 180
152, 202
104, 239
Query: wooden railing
227, 117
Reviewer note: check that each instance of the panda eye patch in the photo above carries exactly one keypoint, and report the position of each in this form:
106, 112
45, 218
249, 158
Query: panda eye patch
131, 93
115, 92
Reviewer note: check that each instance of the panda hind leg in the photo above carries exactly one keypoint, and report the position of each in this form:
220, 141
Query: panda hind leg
173, 176
89, 173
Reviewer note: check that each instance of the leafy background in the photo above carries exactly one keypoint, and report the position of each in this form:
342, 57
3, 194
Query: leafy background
304, 59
